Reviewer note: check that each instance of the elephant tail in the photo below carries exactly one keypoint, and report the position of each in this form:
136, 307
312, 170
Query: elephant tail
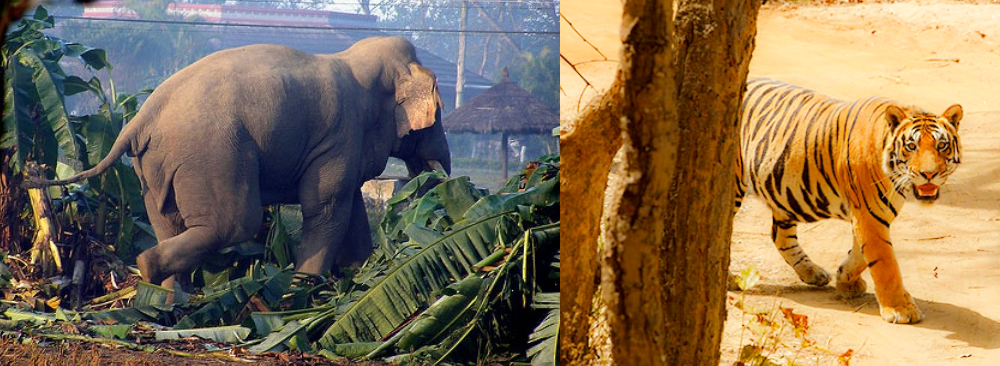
121, 146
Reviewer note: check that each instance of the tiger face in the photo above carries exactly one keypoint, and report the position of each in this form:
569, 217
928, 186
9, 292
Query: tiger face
922, 151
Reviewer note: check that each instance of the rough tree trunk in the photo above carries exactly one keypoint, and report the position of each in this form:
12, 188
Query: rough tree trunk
589, 143
668, 216
634, 258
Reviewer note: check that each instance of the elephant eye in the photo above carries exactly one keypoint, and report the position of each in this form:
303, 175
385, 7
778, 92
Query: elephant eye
910, 146
942, 146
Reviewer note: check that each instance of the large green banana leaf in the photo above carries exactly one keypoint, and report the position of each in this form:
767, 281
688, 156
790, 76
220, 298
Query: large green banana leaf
544, 340
416, 282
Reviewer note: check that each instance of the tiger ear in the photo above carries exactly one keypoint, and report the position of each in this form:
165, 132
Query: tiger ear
953, 114
894, 115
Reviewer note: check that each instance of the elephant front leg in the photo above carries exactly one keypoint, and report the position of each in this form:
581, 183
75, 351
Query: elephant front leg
324, 227
895, 303
357, 244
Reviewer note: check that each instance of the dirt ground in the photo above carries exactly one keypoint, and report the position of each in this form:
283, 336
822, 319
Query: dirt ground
932, 54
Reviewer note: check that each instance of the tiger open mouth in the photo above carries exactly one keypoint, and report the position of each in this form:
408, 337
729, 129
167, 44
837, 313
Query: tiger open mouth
926, 192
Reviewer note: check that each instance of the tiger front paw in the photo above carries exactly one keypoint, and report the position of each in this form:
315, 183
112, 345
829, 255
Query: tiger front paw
906, 313
852, 289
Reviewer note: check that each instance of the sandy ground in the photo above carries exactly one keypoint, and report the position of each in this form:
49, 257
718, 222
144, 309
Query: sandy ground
932, 54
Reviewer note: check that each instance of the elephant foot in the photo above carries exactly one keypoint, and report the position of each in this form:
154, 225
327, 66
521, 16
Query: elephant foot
169, 283
148, 263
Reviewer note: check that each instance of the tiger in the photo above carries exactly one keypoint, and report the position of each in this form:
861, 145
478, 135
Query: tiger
812, 157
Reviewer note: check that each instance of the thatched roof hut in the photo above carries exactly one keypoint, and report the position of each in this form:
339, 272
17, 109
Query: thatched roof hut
506, 109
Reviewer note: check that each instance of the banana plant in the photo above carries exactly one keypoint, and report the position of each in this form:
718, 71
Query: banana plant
36, 123
39, 127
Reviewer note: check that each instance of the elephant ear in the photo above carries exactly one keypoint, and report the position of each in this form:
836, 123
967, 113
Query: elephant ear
417, 99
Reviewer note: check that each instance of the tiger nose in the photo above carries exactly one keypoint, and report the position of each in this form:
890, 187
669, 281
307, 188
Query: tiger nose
928, 175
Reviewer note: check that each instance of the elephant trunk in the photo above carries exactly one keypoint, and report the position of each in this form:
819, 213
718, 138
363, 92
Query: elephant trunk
417, 166
436, 166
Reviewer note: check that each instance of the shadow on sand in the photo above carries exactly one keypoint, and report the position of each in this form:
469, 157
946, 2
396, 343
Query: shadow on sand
963, 324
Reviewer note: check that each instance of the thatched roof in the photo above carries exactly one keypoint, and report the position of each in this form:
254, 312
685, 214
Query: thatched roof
504, 107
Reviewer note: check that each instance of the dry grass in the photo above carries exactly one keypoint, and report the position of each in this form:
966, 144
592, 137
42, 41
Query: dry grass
31, 352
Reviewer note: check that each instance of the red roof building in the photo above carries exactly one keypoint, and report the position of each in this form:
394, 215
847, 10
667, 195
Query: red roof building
236, 14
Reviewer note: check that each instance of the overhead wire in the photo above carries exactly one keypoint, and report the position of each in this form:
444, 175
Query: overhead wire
305, 27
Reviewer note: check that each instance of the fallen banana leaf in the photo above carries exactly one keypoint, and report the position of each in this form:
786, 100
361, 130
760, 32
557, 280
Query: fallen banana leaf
161, 314
440, 315
119, 331
421, 234
281, 340
150, 294
412, 284
226, 334
354, 350
544, 340
32, 317
544, 194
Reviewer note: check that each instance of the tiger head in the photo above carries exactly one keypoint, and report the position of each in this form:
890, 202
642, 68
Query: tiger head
922, 150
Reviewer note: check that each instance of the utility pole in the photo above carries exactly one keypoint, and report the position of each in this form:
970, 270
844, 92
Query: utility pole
460, 76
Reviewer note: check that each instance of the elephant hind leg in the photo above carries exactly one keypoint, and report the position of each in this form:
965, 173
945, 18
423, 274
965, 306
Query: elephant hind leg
176, 255
215, 207
167, 224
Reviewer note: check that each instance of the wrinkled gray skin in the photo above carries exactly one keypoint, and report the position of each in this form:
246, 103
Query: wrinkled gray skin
265, 124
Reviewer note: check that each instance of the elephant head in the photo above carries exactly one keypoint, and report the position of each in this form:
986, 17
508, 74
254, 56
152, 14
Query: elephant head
423, 146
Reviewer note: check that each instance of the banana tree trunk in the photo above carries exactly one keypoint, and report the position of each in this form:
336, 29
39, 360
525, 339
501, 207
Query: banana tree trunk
44, 253
11, 206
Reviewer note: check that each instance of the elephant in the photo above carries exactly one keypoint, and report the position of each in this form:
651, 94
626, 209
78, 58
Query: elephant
258, 125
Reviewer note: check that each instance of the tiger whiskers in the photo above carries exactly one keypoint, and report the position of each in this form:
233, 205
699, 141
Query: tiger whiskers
891, 182
900, 179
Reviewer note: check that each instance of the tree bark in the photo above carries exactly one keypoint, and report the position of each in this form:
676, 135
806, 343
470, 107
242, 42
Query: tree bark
589, 143
672, 115
633, 258
714, 45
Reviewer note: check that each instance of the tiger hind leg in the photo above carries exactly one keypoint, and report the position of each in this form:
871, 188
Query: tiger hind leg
785, 236
740, 193
849, 281
741, 185
732, 284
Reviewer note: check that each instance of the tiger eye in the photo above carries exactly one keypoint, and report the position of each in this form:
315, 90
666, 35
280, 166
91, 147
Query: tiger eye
910, 146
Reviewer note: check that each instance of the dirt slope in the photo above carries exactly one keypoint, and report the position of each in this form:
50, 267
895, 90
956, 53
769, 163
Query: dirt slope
929, 54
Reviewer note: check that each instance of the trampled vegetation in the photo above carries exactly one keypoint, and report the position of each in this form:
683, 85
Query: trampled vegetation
458, 274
